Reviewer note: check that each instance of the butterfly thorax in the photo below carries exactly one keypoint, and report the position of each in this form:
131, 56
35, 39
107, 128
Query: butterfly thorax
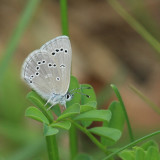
61, 99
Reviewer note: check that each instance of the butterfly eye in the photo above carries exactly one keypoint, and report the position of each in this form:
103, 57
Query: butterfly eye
68, 96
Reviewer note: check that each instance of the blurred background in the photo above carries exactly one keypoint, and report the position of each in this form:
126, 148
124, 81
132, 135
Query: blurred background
106, 49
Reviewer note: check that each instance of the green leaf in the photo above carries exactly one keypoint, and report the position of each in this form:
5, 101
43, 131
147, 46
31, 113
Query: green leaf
39, 102
83, 156
146, 145
117, 121
139, 154
70, 111
48, 130
90, 92
36, 114
152, 154
76, 97
88, 106
109, 133
127, 155
95, 115
63, 124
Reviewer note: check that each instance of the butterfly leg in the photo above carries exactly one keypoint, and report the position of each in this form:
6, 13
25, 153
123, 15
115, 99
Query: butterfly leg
48, 101
51, 106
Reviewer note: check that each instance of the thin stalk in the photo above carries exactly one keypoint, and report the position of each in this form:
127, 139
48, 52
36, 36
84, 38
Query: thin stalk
52, 147
73, 139
64, 17
17, 34
73, 142
92, 138
135, 24
124, 111
145, 99
132, 144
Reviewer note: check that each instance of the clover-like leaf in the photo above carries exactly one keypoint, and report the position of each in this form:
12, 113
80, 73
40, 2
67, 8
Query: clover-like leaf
109, 133
89, 91
152, 153
36, 114
88, 106
48, 130
70, 111
139, 153
63, 124
95, 115
127, 155
39, 102
83, 156
76, 97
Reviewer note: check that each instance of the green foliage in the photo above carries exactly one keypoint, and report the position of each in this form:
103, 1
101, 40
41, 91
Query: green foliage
70, 111
48, 130
147, 151
39, 102
88, 106
109, 133
80, 112
36, 114
117, 121
76, 97
83, 156
124, 111
95, 115
63, 125
90, 92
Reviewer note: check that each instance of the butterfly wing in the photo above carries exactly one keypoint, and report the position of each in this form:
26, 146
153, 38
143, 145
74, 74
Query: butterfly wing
60, 51
47, 70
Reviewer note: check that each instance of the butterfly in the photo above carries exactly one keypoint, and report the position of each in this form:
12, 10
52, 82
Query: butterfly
47, 71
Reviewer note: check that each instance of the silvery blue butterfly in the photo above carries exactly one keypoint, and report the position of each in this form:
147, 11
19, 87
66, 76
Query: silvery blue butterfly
47, 70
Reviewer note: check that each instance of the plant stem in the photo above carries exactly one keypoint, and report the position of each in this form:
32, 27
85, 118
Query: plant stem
135, 25
92, 138
72, 132
52, 147
145, 99
132, 144
64, 19
16, 36
73, 142
124, 111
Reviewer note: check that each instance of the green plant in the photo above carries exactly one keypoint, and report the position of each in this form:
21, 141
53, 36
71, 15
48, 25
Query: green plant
147, 151
80, 112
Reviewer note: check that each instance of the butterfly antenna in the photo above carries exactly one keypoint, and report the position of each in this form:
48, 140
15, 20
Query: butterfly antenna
82, 94
79, 88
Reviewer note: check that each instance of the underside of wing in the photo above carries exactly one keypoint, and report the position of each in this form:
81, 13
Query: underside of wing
59, 49
47, 70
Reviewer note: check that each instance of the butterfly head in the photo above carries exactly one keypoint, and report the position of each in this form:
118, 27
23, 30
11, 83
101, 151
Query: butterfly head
68, 96
71, 93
